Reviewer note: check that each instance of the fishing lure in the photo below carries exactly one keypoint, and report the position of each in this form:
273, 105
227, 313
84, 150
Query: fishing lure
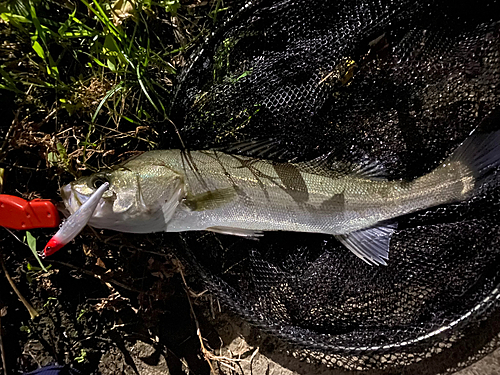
75, 222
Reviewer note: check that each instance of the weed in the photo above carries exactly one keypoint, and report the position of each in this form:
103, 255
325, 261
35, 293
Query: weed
83, 355
25, 329
31, 241
50, 300
106, 63
91, 82
81, 314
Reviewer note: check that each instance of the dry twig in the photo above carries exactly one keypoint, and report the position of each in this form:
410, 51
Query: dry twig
2, 350
105, 281
207, 354
31, 310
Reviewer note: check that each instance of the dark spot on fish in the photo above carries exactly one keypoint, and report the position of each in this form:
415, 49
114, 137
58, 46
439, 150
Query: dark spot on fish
335, 204
293, 182
245, 162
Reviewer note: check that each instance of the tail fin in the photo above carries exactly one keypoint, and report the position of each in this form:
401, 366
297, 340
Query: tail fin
480, 154
468, 167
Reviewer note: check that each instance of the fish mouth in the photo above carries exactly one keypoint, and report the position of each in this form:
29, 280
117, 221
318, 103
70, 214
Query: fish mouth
72, 200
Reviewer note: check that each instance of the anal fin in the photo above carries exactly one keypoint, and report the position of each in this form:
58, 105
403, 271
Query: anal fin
236, 231
370, 244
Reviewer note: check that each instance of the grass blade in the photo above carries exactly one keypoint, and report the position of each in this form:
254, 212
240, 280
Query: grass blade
31, 241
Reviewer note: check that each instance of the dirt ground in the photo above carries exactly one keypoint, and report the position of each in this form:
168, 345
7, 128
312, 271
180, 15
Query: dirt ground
122, 308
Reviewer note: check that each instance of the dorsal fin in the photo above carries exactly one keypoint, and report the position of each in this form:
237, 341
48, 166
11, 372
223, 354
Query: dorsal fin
271, 149
373, 170
326, 165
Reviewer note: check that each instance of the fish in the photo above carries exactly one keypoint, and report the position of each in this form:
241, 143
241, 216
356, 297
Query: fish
212, 190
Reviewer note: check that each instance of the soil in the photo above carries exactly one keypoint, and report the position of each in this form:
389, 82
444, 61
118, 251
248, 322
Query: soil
116, 306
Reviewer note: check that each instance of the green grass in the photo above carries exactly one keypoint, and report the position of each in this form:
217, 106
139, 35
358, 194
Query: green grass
31, 242
99, 71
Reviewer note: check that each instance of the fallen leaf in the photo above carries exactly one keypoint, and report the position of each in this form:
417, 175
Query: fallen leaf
121, 10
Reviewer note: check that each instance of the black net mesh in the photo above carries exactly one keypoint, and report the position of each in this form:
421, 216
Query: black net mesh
401, 83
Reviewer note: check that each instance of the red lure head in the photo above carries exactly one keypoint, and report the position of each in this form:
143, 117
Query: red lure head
52, 247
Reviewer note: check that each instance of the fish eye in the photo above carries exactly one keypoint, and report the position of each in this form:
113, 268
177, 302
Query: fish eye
98, 181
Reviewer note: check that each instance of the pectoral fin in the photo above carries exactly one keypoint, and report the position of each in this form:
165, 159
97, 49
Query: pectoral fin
210, 200
171, 205
370, 244
236, 231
